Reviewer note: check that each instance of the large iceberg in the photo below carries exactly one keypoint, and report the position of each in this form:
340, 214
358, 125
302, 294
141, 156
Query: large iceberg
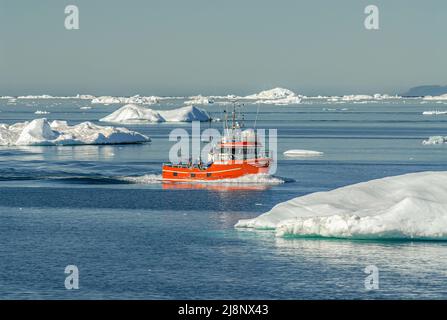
410, 206
132, 113
41, 132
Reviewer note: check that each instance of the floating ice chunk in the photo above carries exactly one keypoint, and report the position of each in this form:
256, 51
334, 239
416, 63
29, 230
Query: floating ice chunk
42, 112
281, 102
199, 100
106, 100
276, 93
435, 140
433, 112
41, 132
126, 100
132, 113
276, 96
441, 97
411, 206
357, 97
302, 153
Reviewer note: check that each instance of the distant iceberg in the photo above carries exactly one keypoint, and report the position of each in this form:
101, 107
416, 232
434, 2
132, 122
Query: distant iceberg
434, 112
133, 113
276, 93
41, 132
42, 112
435, 140
48, 97
410, 206
123, 100
441, 97
199, 100
277, 96
302, 153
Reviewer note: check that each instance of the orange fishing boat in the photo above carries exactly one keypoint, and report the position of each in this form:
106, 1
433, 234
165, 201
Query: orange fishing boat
237, 154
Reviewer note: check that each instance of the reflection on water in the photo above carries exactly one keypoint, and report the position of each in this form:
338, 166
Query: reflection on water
86, 153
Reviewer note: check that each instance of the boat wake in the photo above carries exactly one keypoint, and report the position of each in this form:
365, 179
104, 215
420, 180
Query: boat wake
252, 179
145, 179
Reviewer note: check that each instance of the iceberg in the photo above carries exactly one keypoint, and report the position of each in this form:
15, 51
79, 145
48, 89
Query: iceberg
441, 97
276, 96
41, 132
132, 113
137, 99
357, 97
41, 112
276, 93
435, 140
410, 206
433, 112
302, 153
199, 100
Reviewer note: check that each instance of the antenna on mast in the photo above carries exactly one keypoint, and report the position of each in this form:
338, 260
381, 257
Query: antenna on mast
257, 112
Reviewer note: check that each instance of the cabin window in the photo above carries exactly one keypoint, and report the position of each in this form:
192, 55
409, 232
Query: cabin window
175, 174
193, 175
208, 174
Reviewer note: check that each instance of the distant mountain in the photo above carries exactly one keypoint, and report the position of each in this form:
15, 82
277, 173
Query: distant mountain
426, 90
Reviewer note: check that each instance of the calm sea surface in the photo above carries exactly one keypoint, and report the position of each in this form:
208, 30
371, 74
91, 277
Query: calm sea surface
97, 207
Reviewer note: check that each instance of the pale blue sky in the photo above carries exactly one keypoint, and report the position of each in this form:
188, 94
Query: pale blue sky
182, 47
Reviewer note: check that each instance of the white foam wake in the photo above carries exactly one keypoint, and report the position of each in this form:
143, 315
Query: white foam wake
263, 179
411, 206
146, 179
258, 179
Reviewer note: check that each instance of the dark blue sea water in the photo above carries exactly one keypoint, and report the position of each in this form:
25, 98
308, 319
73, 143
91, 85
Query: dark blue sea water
80, 206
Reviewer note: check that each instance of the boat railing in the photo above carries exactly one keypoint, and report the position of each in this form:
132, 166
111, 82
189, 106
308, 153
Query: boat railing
187, 166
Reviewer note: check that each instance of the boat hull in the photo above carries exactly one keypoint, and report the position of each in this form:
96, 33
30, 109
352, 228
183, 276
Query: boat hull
216, 171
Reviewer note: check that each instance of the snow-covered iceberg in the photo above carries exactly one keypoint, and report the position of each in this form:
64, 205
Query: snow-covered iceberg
41, 132
276, 96
410, 206
137, 99
276, 93
132, 113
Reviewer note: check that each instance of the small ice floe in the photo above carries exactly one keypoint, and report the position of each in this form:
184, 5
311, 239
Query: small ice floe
302, 153
411, 206
42, 112
85, 108
137, 99
435, 140
132, 113
199, 100
42, 133
434, 112
441, 97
